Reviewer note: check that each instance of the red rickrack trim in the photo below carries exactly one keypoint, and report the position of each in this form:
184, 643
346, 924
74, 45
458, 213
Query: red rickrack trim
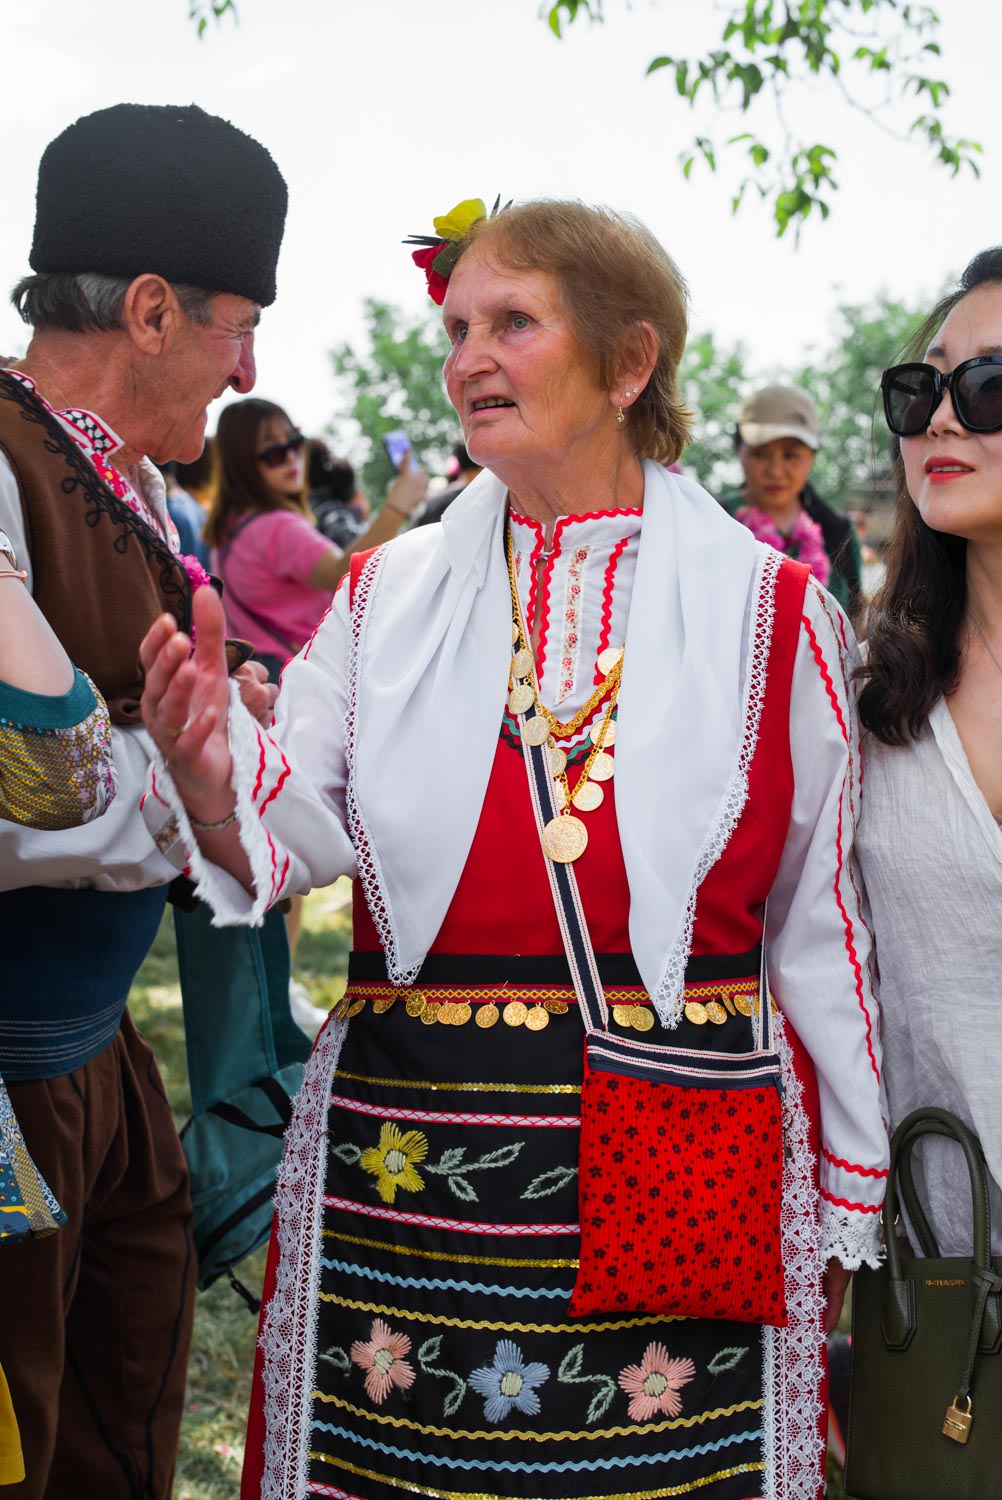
544, 619
597, 515
859, 1208
825, 675
286, 773
260, 766
274, 864
447, 1117
607, 589
432, 1221
850, 945
848, 1166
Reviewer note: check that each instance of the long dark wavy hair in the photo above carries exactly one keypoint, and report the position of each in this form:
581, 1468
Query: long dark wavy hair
915, 620
238, 488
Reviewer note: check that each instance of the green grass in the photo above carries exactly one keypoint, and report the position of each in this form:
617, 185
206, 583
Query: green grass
222, 1354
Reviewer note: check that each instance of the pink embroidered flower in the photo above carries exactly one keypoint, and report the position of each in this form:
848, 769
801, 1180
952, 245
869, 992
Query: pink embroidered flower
805, 542
654, 1384
382, 1357
197, 576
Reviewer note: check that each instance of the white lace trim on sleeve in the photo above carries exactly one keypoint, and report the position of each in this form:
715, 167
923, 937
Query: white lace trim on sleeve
850, 1236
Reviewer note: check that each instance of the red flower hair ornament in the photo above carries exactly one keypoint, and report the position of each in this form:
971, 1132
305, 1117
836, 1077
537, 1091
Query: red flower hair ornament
438, 253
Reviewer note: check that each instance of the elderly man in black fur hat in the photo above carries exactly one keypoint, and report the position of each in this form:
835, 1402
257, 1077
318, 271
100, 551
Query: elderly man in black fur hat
156, 240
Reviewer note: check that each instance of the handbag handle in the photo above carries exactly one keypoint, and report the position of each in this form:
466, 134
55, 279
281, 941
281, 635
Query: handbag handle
900, 1316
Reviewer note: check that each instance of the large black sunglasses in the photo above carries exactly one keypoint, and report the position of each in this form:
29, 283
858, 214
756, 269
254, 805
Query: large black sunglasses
913, 392
274, 456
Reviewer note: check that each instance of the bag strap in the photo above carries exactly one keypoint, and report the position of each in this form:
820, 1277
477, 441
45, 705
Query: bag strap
570, 911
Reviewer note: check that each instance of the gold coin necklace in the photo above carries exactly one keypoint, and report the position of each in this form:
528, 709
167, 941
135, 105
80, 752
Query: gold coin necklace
564, 837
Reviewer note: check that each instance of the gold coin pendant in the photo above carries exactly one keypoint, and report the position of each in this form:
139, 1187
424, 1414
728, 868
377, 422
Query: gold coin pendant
383, 1004
520, 698
643, 1018
716, 1013
415, 1005
445, 1015
487, 1015
537, 1019
609, 658
355, 1008
602, 768
743, 1005
430, 1013
521, 663
556, 1007
603, 733
535, 731
559, 793
558, 760
514, 1013
588, 795
462, 1010
565, 839
621, 1014
696, 1013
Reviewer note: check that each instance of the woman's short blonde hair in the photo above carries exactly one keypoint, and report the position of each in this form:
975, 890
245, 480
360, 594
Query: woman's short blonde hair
612, 274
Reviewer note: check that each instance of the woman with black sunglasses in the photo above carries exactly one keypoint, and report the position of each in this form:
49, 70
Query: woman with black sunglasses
278, 569
930, 839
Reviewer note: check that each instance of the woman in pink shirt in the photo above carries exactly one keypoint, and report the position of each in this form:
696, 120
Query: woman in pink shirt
278, 570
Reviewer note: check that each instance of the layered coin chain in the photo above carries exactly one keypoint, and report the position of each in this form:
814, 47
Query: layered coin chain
534, 1015
565, 837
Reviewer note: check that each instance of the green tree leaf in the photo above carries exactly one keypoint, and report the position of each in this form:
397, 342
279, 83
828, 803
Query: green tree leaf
394, 380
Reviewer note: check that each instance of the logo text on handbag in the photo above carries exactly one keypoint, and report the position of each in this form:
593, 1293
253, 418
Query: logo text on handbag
959, 1282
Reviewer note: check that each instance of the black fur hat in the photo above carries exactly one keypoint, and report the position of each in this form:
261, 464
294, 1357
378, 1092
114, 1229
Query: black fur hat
161, 188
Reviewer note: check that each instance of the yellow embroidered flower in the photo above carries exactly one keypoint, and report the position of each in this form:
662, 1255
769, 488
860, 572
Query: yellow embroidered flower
457, 222
392, 1161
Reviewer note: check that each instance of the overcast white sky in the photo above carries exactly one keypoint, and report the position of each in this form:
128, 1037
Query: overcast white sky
383, 113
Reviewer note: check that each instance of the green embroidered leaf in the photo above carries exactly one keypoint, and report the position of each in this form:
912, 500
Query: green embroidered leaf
726, 1359
454, 1399
605, 1390
463, 1190
503, 1157
429, 1351
338, 1358
550, 1182
451, 1159
569, 1369
347, 1153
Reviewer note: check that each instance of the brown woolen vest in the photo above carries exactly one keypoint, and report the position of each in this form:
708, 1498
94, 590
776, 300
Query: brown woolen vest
101, 576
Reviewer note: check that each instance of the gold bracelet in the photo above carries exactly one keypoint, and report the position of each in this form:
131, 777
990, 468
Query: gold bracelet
14, 573
214, 827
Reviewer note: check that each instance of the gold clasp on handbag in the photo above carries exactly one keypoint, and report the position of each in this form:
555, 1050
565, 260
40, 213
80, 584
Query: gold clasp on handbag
957, 1424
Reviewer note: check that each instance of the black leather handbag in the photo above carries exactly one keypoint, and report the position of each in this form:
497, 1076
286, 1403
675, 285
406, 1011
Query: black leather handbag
925, 1401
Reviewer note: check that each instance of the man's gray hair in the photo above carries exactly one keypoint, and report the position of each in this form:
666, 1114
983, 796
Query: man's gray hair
85, 302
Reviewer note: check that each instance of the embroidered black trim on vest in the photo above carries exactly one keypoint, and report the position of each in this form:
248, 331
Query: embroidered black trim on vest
101, 501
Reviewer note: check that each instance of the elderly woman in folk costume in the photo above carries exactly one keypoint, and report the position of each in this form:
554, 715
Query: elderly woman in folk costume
570, 741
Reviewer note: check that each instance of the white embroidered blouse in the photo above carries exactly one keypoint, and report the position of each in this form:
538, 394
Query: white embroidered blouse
431, 689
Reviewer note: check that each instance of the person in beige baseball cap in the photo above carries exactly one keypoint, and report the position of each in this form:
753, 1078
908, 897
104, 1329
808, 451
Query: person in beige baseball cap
777, 436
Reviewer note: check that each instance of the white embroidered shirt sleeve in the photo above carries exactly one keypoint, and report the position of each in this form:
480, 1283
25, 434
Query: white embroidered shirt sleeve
820, 947
290, 785
111, 853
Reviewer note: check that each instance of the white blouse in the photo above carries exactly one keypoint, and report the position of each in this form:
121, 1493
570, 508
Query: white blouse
417, 684
931, 854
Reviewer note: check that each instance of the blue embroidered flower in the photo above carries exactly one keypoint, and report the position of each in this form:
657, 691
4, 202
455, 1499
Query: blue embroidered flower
509, 1382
